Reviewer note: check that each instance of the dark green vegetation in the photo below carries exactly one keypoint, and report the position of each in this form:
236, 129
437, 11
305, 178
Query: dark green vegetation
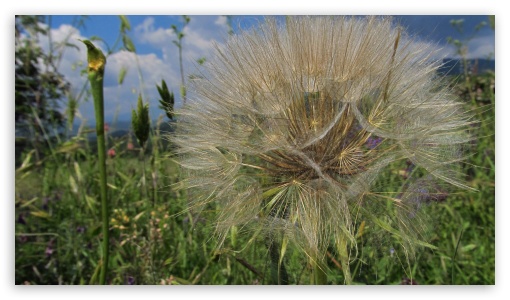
153, 240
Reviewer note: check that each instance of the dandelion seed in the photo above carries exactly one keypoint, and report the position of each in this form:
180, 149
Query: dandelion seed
291, 129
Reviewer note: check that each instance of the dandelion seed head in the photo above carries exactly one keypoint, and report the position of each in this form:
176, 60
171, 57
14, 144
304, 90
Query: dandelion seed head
292, 126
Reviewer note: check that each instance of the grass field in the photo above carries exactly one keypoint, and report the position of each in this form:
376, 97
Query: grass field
154, 241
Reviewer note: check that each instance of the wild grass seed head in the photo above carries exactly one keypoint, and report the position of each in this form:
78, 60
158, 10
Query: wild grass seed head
292, 128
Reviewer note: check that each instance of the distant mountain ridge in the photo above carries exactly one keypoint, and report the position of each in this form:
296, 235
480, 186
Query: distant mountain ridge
122, 128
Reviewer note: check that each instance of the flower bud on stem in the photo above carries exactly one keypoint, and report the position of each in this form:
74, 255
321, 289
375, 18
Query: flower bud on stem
96, 63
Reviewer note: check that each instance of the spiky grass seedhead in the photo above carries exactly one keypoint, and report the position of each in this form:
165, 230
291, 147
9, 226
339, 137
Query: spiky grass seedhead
293, 128
140, 121
167, 99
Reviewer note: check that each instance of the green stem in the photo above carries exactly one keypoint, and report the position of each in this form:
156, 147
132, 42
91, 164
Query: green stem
96, 63
279, 273
150, 237
344, 260
320, 276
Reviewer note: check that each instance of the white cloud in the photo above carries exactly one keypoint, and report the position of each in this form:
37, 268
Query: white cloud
119, 99
478, 47
123, 98
481, 47
200, 35
157, 37
72, 59
221, 21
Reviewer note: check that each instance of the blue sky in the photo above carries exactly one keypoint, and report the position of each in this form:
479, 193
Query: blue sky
157, 57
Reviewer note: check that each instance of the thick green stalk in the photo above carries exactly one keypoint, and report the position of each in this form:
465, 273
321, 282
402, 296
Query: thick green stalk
96, 64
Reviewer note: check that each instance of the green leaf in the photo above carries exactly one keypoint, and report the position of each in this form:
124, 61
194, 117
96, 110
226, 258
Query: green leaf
40, 214
29, 202
396, 233
124, 176
468, 247
201, 61
78, 172
124, 23
178, 280
480, 25
128, 44
168, 261
91, 203
122, 75
95, 38
26, 161
138, 216
112, 186
458, 25
68, 147
233, 235
283, 249
492, 22
183, 91
72, 183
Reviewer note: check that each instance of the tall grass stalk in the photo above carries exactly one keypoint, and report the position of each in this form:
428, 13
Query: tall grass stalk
96, 64
178, 43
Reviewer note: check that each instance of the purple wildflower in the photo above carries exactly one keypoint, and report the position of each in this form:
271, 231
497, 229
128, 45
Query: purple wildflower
49, 251
49, 248
21, 219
